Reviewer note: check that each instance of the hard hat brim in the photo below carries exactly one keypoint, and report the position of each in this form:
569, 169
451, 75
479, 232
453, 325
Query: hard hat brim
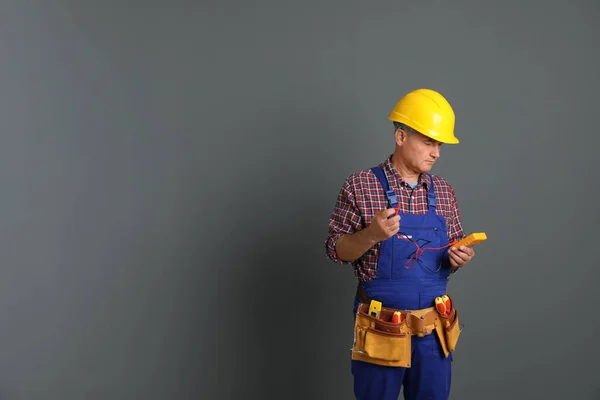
422, 130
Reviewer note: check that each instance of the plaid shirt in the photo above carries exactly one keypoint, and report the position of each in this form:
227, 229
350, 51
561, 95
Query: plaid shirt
361, 196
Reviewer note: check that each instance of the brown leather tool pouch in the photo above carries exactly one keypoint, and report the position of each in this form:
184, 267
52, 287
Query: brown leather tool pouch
380, 342
452, 331
441, 334
448, 332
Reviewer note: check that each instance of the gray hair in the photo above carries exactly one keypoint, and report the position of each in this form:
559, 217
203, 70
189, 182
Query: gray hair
398, 125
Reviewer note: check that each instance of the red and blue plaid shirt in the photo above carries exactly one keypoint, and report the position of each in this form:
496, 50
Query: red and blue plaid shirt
361, 196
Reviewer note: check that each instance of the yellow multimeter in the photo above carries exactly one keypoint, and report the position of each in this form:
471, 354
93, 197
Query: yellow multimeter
375, 309
471, 240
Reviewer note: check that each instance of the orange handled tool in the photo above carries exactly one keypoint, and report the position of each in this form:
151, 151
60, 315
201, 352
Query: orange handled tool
397, 317
448, 304
443, 305
440, 305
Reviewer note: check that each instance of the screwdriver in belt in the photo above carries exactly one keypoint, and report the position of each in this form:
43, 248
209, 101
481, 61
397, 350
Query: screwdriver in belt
443, 305
397, 317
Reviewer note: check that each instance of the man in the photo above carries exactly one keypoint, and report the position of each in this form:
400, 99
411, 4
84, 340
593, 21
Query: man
395, 224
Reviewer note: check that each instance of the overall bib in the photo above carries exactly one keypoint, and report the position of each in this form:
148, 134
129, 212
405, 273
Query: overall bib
410, 280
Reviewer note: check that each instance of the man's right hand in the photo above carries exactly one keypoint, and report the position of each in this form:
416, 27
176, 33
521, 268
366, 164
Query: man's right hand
350, 247
382, 227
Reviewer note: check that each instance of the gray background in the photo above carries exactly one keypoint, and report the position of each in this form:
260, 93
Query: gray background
168, 171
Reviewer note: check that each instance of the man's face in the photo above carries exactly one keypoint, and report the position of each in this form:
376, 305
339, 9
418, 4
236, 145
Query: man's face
419, 151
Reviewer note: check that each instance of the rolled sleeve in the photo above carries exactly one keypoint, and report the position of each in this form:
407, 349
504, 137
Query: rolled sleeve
344, 219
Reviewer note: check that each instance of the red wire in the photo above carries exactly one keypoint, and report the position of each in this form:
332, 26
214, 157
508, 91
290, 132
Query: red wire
419, 249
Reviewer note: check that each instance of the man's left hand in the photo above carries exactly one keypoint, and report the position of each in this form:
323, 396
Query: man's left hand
460, 256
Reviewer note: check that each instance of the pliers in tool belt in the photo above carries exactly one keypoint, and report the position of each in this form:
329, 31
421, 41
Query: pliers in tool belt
443, 305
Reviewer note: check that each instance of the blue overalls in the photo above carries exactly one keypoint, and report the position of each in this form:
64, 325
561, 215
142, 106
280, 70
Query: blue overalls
410, 288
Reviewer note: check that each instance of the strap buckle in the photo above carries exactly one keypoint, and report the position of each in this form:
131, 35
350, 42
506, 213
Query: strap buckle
392, 197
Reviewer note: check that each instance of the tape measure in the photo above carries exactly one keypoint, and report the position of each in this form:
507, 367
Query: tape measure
375, 309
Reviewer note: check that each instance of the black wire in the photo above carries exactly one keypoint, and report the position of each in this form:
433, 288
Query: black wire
416, 243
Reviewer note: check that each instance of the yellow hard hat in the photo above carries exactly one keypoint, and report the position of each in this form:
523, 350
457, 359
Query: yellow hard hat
427, 112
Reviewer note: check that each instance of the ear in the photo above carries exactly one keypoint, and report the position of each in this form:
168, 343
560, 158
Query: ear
400, 136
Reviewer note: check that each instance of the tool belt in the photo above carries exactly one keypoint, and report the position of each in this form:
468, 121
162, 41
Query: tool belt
383, 342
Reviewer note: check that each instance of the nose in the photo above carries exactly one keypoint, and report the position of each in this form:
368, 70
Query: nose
435, 152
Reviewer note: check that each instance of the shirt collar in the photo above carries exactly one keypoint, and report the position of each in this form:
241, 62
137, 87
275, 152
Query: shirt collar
395, 180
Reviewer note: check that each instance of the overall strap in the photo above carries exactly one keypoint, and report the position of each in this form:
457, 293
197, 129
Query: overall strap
431, 196
391, 195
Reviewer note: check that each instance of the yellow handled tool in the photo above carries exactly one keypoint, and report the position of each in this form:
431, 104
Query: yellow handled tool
443, 305
375, 309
